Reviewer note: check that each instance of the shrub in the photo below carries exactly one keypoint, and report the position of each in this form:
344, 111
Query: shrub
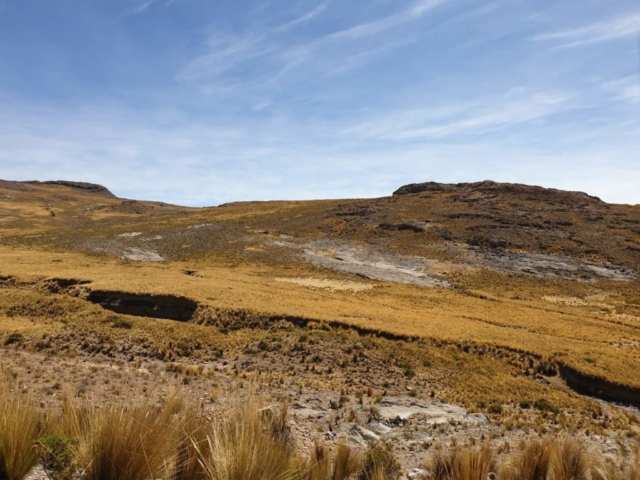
545, 405
15, 337
121, 323
55, 453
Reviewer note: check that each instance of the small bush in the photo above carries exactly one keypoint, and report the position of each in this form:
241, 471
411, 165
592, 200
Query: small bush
545, 405
494, 409
56, 456
121, 323
15, 337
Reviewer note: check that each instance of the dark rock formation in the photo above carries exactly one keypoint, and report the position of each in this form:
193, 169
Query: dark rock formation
489, 187
87, 187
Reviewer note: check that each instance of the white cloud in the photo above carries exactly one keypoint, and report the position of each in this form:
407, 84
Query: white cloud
616, 28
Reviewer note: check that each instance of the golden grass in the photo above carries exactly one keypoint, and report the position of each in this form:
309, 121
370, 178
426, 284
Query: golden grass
250, 442
533, 463
125, 442
579, 336
20, 426
562, 458
246, 446
462, 464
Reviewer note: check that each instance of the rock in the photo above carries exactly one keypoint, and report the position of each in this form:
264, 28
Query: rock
366, 434
330, 435
418, 474
380, 429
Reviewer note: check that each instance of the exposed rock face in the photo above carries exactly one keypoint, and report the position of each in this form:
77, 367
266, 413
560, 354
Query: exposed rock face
87, 187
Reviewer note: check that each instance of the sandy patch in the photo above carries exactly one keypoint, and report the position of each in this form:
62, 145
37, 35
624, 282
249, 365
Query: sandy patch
130, 234
326, 283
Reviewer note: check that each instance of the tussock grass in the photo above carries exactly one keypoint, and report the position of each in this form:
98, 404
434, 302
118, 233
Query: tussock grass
132, 442
247, 445
571, 461
20, 427
610, 470
380, 463
342, 464
533, 463
558, 459
179, 441
462, 464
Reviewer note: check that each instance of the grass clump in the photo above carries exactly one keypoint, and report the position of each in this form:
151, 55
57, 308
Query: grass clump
533, 463
380, 463
132, 442
545, 405
19, 429
462, 464
248, 444
343, 464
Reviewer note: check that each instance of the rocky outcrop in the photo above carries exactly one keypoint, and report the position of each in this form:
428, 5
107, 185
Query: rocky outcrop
532, 192
87, 187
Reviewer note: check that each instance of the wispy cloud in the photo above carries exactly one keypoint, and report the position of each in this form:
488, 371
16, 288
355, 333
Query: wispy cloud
613, 29
303, 18
225, 53
134, 153
627, 89
478, 117
414, 12
143, 6
281, 58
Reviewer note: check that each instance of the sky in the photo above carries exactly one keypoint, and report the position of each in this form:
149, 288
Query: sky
201, 102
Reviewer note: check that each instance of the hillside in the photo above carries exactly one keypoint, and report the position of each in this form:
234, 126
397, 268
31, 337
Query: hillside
478, 294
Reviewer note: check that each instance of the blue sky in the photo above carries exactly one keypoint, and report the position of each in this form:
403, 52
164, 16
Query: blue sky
200, 102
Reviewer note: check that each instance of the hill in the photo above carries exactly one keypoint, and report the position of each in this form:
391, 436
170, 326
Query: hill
480, 294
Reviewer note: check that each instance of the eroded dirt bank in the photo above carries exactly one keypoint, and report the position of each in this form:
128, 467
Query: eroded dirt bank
169, 307
599, 387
